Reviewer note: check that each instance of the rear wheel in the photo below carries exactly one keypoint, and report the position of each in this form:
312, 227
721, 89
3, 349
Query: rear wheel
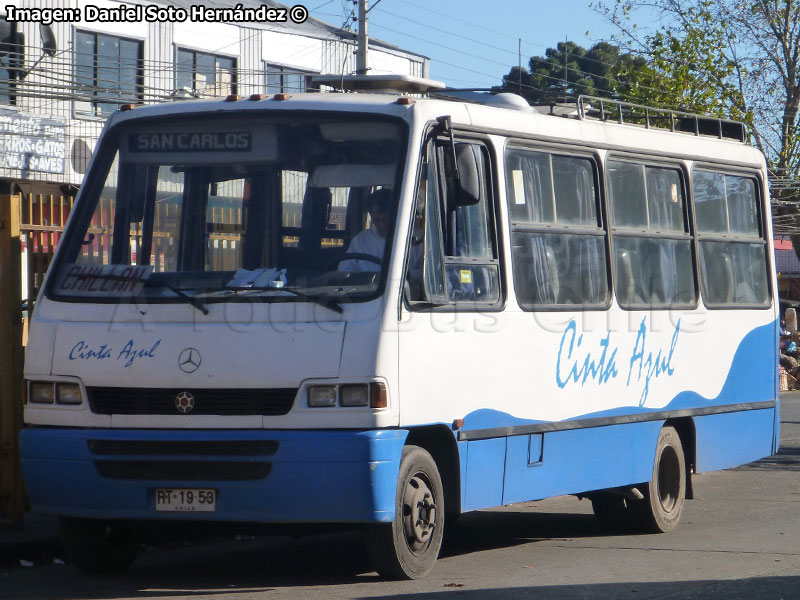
664, 496
409, 546
100, 546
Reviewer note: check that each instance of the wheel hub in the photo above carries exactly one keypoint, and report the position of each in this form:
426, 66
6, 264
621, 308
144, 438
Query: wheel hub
419, 511
668, 479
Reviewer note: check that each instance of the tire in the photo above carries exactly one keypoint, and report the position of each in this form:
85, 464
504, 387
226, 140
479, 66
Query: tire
408, 547
99, 546
611, 511
664, 496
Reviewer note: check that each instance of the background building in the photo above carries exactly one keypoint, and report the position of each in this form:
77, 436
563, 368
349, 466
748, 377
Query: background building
59, 84
57, 91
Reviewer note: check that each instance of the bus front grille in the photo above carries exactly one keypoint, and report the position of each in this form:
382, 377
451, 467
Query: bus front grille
183, 470
159, 401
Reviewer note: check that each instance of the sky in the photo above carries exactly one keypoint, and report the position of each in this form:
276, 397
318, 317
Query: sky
472, 43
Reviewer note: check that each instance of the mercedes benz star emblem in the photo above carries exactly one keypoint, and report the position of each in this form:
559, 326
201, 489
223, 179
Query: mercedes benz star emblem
184, 402
189, 360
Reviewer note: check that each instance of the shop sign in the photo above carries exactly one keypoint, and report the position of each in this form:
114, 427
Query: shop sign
32, 143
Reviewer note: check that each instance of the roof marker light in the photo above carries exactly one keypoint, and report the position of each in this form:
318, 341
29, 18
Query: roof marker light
255, 97
281, 97
233, 98
127, 107
405, 100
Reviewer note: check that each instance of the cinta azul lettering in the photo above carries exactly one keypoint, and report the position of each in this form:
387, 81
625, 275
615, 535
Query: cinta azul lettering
649, 365
128, 355
600, 370
579, 364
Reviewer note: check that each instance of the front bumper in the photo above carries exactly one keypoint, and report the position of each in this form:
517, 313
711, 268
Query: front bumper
281, 476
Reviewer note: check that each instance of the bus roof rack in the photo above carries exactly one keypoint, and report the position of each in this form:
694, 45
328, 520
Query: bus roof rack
397, 84
638, 115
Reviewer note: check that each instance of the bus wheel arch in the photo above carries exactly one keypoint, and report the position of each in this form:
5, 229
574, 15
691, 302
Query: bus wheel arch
686, 431
440, 443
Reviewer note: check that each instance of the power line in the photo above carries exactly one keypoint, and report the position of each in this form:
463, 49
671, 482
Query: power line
472, 40
527, 86
541, 60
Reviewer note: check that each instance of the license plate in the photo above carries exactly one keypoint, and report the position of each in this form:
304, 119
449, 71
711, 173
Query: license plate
185, 500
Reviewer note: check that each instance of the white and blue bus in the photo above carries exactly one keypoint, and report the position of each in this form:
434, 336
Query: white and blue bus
553, 302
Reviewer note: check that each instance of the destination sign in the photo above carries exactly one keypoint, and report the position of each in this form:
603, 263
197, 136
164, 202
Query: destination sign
102, 280
238, 141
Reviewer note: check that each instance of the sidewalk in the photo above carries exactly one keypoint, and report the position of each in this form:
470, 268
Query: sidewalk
36, 541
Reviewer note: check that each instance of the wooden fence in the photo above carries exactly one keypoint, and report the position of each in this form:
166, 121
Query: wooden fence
30, 229
42, 220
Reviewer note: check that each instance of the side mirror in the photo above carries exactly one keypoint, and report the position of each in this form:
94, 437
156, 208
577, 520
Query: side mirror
469, 182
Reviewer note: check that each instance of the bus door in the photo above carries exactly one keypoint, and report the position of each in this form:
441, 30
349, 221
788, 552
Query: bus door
448, 345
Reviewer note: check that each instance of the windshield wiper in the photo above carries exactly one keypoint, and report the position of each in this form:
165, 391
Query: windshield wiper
326, 301
176, 290
147, 283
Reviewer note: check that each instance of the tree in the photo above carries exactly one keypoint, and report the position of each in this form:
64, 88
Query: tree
747, 55
569, 70
737, 58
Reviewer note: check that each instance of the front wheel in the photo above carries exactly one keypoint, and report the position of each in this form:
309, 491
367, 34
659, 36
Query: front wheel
100, 546
409, 546
664, 496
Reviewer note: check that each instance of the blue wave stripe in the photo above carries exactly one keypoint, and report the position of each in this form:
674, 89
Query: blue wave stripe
751, 378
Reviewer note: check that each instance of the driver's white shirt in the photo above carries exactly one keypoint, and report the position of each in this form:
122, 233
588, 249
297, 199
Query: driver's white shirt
369, 242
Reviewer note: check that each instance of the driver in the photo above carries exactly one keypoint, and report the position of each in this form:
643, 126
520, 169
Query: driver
372, 240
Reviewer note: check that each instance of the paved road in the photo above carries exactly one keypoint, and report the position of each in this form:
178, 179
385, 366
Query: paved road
740, 538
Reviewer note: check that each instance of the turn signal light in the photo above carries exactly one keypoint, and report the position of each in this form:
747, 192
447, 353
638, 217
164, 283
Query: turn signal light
377, 395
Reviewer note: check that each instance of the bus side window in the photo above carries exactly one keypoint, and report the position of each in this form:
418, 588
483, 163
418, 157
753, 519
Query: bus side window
650, 233
733, 263
557, 241
471, 268
459, 251
425, 258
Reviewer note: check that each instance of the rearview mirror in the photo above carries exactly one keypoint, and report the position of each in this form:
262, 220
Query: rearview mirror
469, 184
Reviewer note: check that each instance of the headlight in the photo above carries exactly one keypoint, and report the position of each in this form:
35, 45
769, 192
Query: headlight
322, 395
354, 395
42, 393
68, 393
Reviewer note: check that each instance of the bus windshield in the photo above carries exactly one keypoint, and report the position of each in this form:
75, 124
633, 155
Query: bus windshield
221, 209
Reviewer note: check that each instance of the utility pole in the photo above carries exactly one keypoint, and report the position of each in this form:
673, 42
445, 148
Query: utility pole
12, 490
363, 40
566, 75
